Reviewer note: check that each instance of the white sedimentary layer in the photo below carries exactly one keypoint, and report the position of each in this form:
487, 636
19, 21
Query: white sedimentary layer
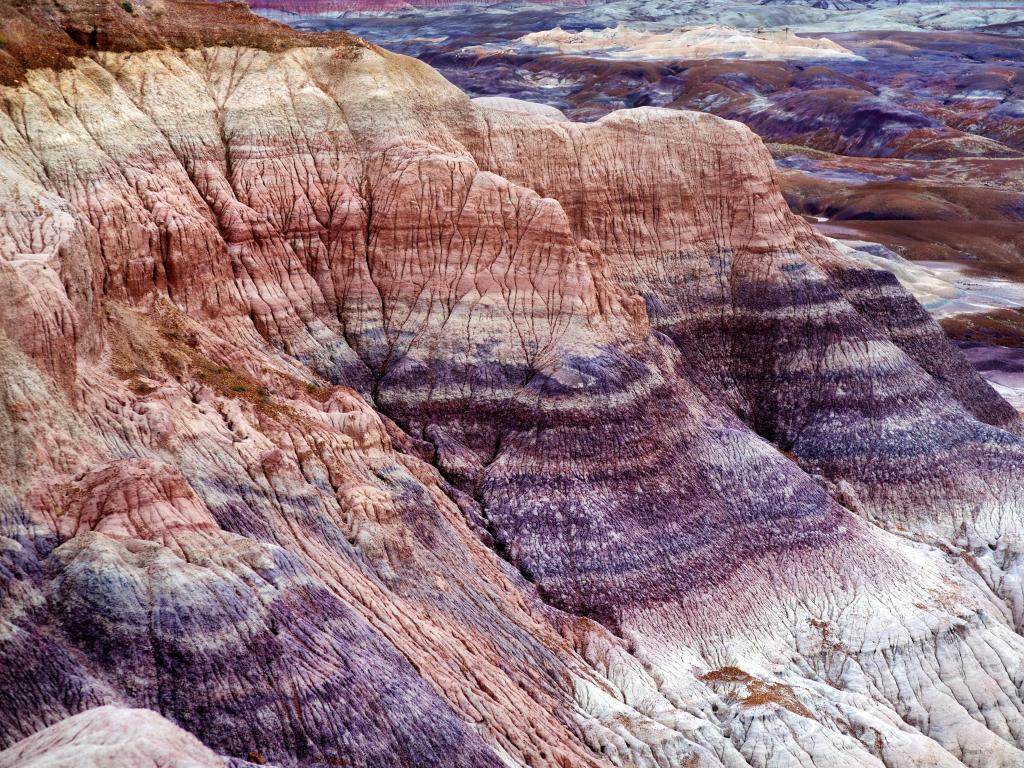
708, 42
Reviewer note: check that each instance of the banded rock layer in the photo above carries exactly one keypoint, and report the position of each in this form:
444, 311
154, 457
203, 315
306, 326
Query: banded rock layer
349, 422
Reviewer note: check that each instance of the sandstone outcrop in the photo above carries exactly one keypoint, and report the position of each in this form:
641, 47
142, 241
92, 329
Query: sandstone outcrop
349, 422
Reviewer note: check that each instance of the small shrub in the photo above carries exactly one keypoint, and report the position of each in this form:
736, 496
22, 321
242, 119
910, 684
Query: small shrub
128, 7
312, 388
3, 42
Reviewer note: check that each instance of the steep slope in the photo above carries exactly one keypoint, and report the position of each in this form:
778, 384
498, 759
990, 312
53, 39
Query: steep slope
347, 421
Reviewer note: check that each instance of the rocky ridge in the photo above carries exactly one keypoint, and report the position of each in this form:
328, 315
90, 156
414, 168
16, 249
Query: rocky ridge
347, 421
705, 42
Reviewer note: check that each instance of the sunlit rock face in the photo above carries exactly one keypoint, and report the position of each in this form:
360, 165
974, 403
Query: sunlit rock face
347, 421
708, 42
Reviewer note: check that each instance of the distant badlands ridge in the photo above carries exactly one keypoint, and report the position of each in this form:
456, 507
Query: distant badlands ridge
812, 16
315, 7
710, 42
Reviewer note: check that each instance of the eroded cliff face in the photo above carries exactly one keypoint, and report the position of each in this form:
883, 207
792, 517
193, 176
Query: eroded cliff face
349, 422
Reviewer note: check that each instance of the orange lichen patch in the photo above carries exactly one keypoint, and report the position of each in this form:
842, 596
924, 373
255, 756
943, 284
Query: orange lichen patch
751, 691
138, 349
775, 693
824, 628
727, 675
227, 382
972, 561
140, 387
963, 554
161, 344
319, 392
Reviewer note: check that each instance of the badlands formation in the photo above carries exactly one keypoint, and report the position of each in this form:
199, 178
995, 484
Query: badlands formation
710, 42
345, 421
914, 140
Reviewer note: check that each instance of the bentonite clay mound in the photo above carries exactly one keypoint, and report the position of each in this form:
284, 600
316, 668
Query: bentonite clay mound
346, 421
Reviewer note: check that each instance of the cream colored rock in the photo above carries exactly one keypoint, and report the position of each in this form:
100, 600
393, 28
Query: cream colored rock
709, 42
111, 737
